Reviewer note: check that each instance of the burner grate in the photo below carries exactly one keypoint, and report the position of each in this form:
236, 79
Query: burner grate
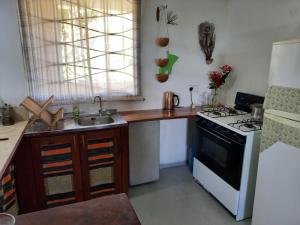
222, 111
247, 125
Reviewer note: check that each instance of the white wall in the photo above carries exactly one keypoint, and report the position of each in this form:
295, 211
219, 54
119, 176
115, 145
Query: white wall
12, 80
245, 31
190, 69
252, 27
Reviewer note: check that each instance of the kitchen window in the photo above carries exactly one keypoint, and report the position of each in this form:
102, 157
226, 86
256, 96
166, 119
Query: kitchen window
77, 49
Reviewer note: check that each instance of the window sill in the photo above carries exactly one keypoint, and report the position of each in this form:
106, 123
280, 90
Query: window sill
127, 98
104, 99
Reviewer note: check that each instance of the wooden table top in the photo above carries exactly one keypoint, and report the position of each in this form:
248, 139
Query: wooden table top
158, 114
110, 210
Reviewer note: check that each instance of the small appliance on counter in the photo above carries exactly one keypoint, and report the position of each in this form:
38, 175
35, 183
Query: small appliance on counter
7, 115
257, 112
169, 99
226, 159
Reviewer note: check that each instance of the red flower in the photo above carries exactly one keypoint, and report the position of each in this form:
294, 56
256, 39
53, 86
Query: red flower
216, 78
226, 68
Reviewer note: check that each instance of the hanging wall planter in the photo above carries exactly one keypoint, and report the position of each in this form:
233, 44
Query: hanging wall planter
166, 60
162, 77
162, 62
165, 72
162, 41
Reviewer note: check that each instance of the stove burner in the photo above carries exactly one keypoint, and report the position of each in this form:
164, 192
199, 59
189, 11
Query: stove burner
232, 111
216, 113
249, 125
222, 111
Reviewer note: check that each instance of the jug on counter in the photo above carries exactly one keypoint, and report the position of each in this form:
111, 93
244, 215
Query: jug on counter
257, 112
7, 115
169, 99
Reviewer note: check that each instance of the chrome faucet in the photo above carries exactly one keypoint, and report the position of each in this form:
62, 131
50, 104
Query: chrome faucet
100, 104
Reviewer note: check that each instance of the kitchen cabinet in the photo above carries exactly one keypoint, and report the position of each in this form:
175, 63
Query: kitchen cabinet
8, 198
101, 158
56, 163
144, 152
54, 170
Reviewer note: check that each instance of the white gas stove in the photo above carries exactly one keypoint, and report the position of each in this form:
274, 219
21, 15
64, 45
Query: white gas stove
236, 120
225, 162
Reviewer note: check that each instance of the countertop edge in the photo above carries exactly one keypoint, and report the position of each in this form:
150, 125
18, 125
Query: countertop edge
160, 118
158, 114
83, 129
11, 152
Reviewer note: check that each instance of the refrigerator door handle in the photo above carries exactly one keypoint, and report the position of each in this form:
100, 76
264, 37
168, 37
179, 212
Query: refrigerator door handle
286, 115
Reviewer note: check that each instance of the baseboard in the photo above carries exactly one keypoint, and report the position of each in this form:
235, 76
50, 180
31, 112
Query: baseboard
168, 165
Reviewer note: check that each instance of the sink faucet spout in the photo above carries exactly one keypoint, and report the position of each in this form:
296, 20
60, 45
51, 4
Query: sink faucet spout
100, 104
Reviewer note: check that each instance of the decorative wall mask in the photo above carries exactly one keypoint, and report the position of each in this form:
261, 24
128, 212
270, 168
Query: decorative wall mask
207, 39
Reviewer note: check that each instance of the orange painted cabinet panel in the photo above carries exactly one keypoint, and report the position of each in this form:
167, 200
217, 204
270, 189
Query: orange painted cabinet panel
62, 169
56, 160
101, 158
8, 197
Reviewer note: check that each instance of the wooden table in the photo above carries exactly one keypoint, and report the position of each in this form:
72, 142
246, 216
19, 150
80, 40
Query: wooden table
158, 114
110, 210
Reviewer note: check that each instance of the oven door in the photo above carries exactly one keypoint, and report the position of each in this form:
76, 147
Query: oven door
221, 155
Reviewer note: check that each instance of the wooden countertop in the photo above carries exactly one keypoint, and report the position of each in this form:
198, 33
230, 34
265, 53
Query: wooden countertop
110, 210
158, 114
8, 147
16, 131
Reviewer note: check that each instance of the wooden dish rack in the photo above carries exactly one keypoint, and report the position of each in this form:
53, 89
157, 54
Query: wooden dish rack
41, 112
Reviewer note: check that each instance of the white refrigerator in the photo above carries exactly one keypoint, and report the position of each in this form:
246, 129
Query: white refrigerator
285, 64
277, 194
282, 100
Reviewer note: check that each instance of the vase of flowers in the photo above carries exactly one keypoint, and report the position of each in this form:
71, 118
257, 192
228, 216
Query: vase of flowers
217, 79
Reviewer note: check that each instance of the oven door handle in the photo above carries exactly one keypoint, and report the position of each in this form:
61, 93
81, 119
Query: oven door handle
211, 133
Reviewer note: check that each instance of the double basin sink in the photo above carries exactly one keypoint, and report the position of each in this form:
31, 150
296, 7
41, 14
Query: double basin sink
94, 120
84, 121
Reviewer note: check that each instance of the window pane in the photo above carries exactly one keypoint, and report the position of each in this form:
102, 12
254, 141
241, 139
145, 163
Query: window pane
76, 49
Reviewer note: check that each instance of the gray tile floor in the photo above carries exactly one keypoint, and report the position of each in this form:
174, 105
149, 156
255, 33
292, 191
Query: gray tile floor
177, 200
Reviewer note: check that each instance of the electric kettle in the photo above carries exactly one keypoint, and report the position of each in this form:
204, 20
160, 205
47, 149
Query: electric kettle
169, 99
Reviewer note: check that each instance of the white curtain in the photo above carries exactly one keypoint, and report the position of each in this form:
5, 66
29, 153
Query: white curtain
77, 49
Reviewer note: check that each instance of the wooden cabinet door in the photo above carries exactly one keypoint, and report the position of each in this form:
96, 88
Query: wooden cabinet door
8, 197
56, 162
101, 160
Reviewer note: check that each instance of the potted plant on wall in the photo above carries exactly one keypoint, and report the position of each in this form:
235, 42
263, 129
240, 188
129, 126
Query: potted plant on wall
164, 18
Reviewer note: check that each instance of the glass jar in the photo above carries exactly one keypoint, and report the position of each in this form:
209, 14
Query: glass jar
7, 115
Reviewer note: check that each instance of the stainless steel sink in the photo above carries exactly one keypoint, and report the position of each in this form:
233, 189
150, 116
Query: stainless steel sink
95, 120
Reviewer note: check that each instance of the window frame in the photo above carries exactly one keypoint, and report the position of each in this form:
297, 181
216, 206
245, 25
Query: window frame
139, 94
